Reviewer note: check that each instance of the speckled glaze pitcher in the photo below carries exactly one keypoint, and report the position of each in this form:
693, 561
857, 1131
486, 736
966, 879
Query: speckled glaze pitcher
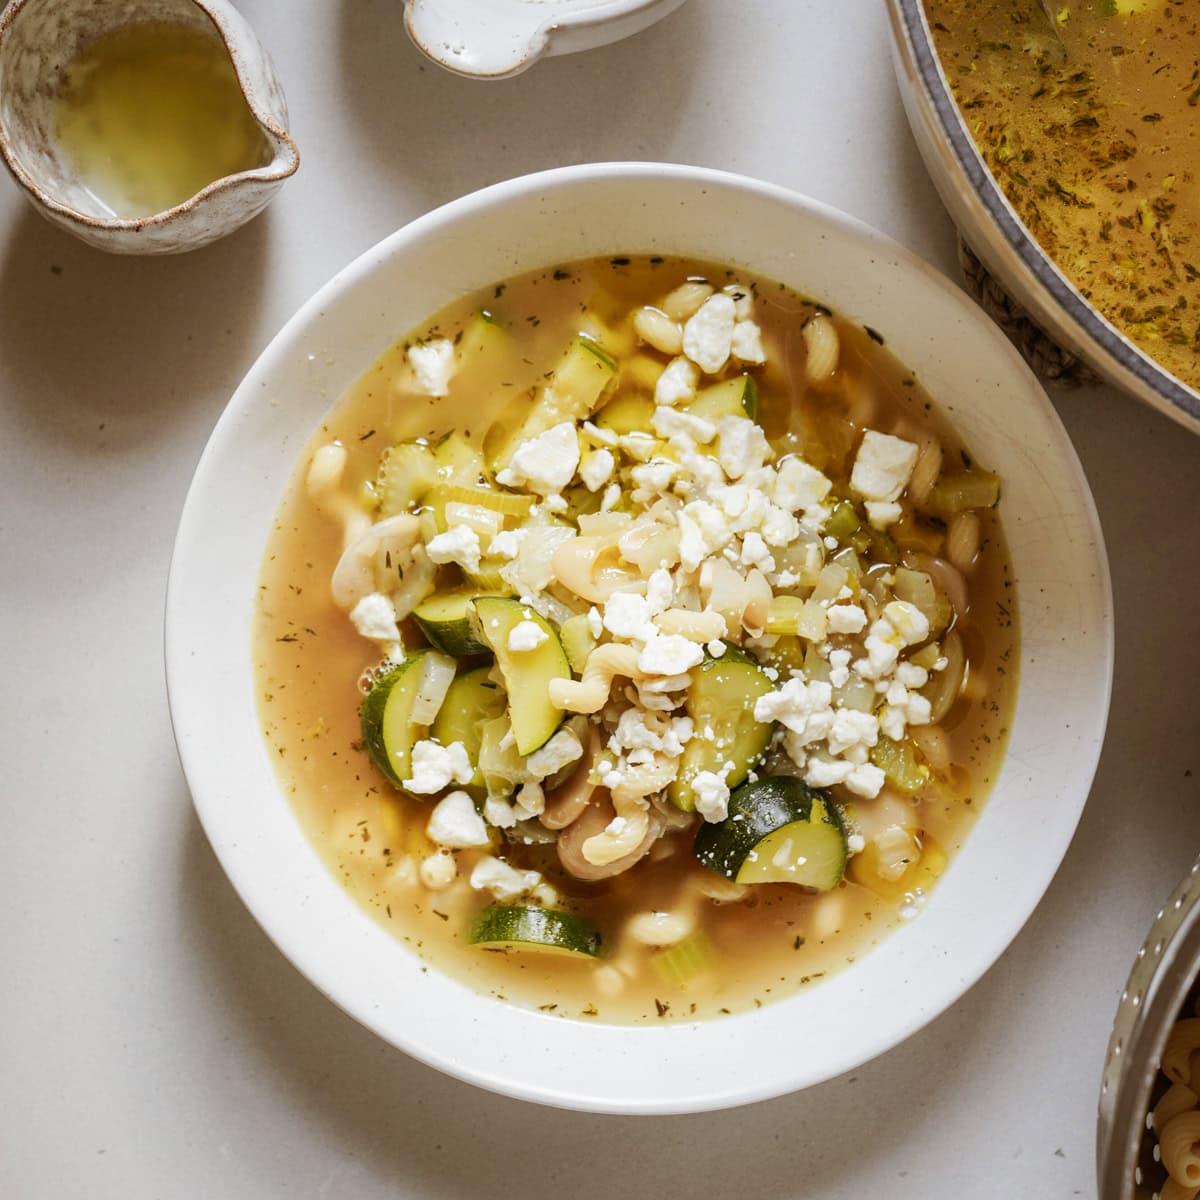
38, 41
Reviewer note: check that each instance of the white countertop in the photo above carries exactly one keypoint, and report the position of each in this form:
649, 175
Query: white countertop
153, 1043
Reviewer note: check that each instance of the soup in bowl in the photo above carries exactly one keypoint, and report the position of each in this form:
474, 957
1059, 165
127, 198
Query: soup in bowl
623, 666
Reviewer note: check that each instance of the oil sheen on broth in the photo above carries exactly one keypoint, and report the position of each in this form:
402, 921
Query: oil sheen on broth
1096, 145
679, 939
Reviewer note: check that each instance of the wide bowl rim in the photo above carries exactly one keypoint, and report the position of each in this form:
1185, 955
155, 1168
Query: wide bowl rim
1041, 270
786, 1077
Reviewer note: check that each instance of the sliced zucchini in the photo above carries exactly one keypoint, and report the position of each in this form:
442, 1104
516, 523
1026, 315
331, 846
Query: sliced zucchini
543, 930
472, 701
578, 641
729, 398
457, 461
967, 489
446, 620
389, 733
572, 393
779, 830
484, 342
720, 702
527, 673
629, 412
899, 762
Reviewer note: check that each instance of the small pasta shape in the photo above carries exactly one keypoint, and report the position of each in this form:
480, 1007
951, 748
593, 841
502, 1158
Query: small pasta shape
385, 548
686, 299
824, 349
1179, 1143
1182, 1042
590, 692
656, 329
1174, 1190
1176, 1099
925, 473
695, 626
589, 567
963, 540
621, 836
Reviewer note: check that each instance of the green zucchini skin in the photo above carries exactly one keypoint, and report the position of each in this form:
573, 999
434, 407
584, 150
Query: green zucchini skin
544, 930
785, 811
471, 702
446, 620
721, 697
373, 716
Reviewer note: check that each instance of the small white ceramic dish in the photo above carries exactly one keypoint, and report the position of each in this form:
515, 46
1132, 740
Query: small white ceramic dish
1065, 612
38, 41
491, 39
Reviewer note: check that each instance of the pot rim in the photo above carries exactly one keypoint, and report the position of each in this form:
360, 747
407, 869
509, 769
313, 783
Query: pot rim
912, 27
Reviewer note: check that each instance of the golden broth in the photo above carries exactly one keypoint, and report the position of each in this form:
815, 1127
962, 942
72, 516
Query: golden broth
1096, 146
775, 938
150, 114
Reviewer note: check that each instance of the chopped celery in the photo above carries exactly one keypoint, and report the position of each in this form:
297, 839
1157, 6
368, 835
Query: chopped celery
457, 461
968, 489
626, 413
578, 641
406, 473
678, 965
843, 522
911, 533
786, 655
898, 761
783, 614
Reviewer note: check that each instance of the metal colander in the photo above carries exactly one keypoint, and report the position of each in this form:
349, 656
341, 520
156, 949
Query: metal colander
1161, 982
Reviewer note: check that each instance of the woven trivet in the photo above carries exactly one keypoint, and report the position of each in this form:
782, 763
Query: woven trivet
1050, 362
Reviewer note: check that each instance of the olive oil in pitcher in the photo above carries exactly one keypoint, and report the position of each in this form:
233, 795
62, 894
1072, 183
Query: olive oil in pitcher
150, 114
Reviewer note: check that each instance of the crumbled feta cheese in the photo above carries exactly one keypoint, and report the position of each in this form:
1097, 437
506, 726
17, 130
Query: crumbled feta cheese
671, 423
712, 796
504, 882
498, 812
743, 446
743, 300
747, 344
909, 622
865, 780
627, 615
612, 494
507, 543
716, 648
852, 728
544, 464
856, 843
596, 469
433, 366
708, 335
883, 466
882, 513
595, 622
454, 823
660, 591
755, 553
435, 767
375, 617
526, 636
563, 748
911, 675
459, 544
805, 709
438, 871
846, 618
779, 528
821, 771
669, 654
677, 383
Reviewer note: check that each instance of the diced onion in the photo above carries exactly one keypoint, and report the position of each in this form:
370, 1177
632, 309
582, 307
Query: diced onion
437, 673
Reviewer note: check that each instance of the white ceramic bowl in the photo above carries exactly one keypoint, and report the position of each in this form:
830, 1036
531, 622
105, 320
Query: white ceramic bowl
492, 39
1065, 608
